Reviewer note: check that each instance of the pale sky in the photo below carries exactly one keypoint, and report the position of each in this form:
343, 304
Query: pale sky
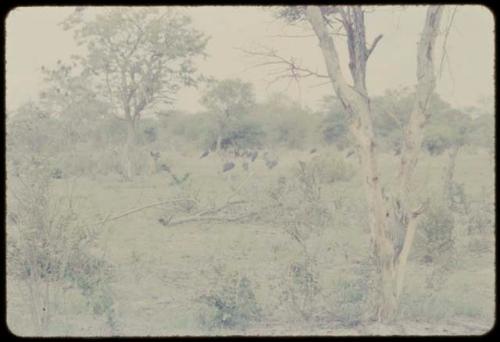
34, 38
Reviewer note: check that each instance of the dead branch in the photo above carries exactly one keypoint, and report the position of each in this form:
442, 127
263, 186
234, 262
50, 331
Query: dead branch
217, 210
210, 219
421, 208
287, 68
135, 210
445, 41
290, 36
374, 45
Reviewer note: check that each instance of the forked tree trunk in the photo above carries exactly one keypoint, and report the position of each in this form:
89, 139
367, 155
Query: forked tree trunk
391, 253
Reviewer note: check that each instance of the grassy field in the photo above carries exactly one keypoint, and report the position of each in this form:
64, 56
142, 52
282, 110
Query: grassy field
161, 272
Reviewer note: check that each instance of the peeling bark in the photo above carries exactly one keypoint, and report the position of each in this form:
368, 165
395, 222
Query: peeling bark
391, 256
426, 82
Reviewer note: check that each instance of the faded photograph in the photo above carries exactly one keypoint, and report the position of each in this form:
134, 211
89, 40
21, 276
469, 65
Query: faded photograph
250, 170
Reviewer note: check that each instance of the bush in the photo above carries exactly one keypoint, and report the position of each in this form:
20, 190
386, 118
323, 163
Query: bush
328, 169
437, 238
301, 288
481, 219
457, 199
286, 123
50, 248
295, 204
354, 293
230, 303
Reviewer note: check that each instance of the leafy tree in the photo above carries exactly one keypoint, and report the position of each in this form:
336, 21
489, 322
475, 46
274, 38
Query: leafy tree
392, 112
482, 130
447, 130
138, 58
334, 126
69, 98
228, 102
285, 122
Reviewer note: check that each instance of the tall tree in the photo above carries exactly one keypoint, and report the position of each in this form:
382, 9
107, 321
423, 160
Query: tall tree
392, 232
139, 58
393, 218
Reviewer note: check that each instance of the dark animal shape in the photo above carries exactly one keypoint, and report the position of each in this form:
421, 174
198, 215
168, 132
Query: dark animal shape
427, 259
205, 154
155, 155
350, 153
254, 155
225, 143
313, 151
228, 166
57, 173
164, 167
397, 151
271, 164
164, 221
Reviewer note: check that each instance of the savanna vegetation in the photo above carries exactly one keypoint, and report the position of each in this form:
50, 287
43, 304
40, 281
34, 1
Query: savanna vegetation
127, 216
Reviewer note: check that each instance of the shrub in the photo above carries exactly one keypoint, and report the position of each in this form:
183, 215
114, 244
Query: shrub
457, 199
301, 288
326, 169
355, 293
436, 226
230, 303
481, 219
50, 249
56, 173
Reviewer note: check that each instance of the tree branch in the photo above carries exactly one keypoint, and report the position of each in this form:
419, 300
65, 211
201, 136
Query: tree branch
374, 45
135, 210
210, 219
292, 68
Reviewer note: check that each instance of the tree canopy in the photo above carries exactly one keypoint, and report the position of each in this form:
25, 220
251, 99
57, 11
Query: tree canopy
138, 56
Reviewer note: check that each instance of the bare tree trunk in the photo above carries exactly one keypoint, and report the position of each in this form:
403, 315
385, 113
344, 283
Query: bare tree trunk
450, 173
426, 83
391, 258
129, 148
218, 143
